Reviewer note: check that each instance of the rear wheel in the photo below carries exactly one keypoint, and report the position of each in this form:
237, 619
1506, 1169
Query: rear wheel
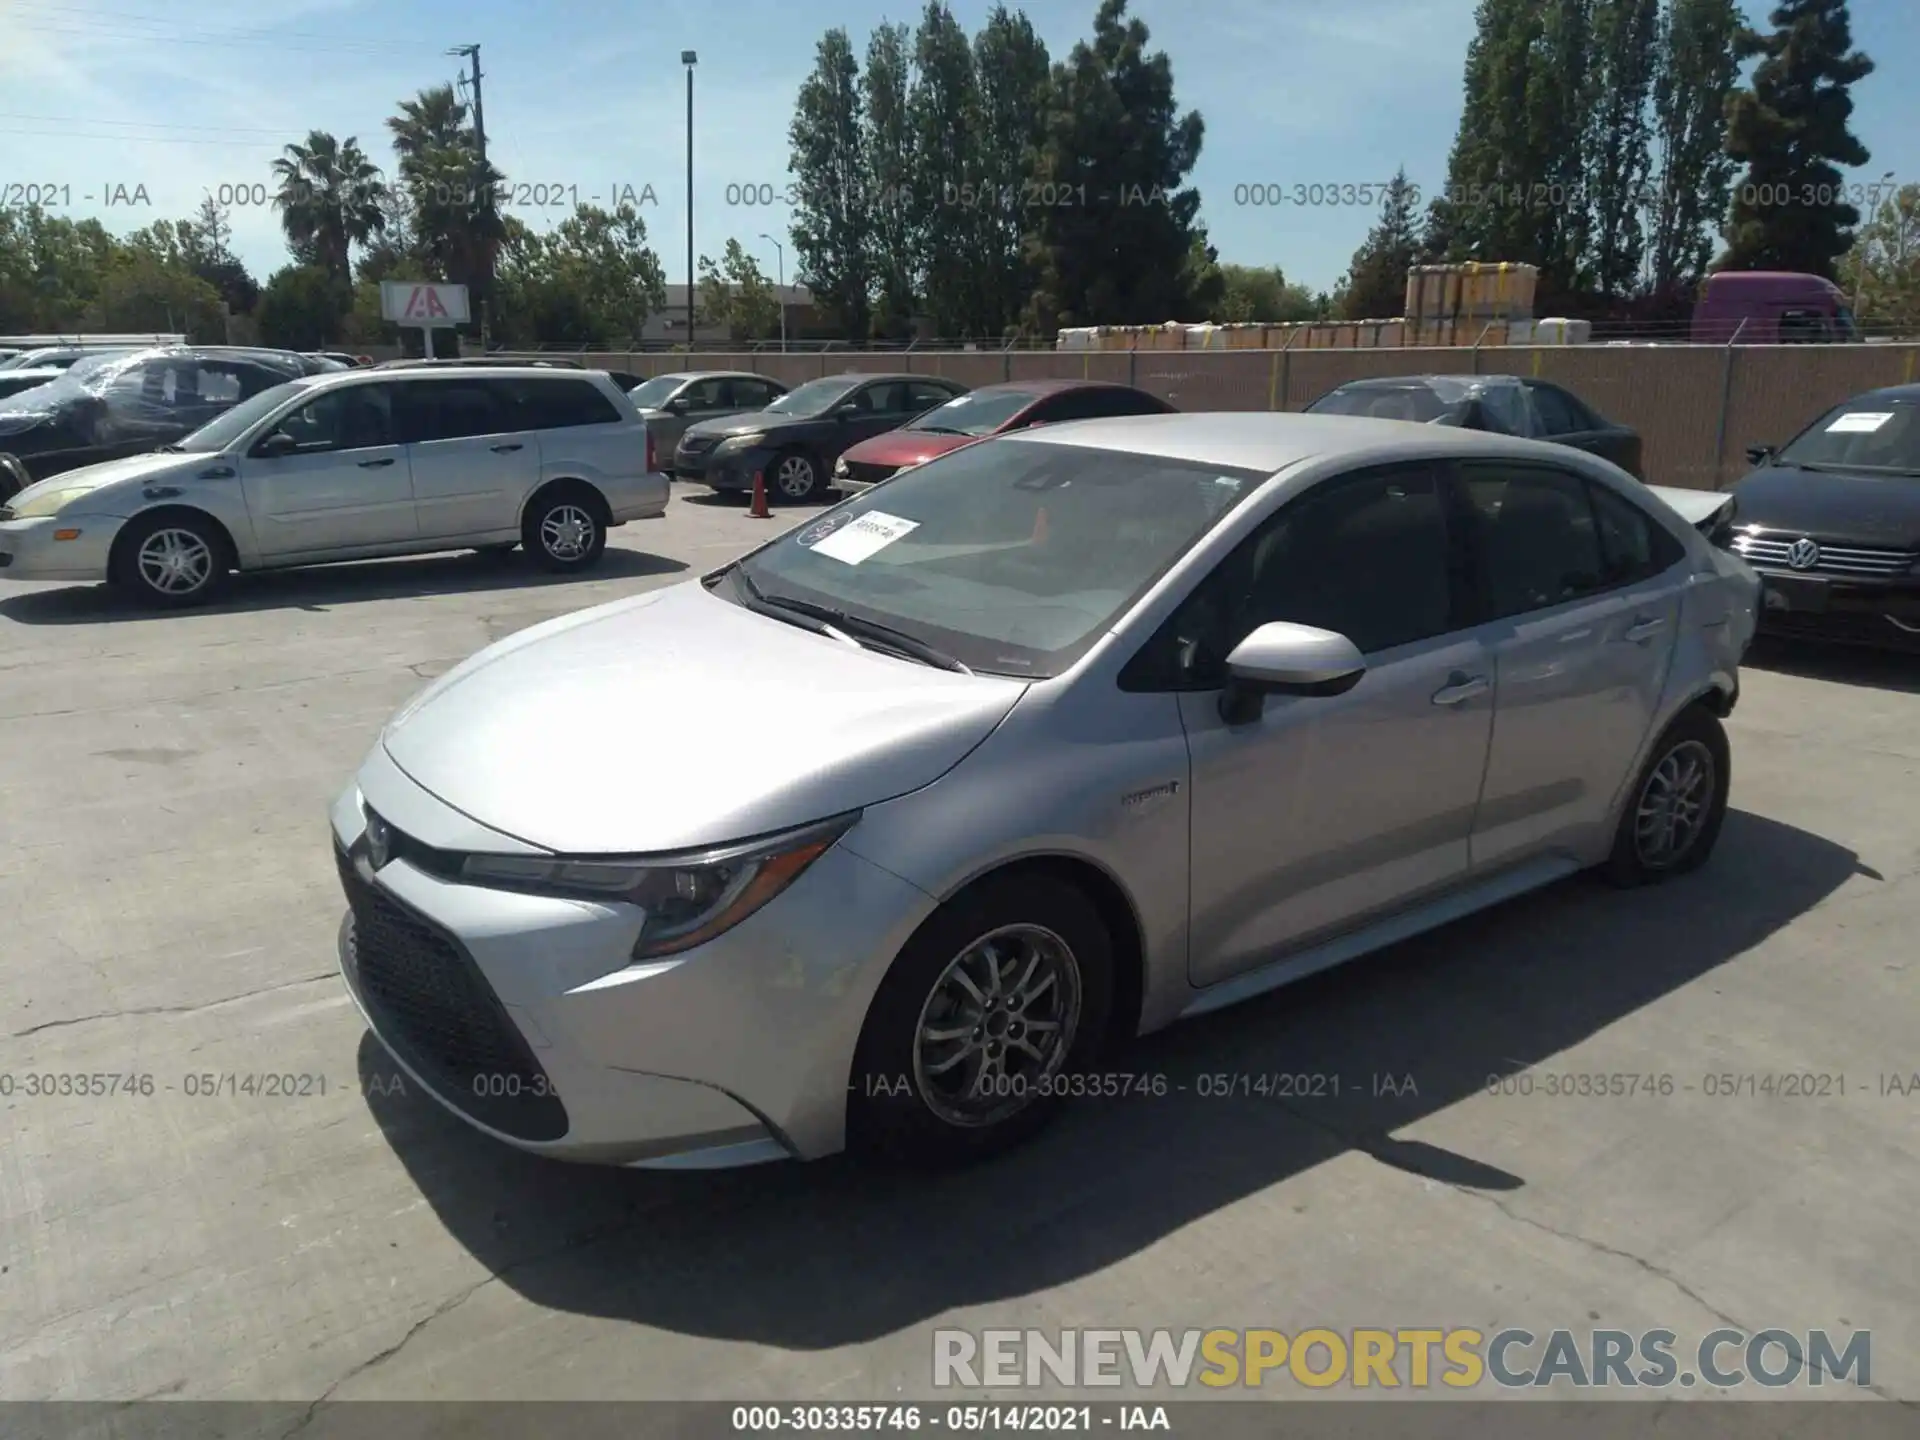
976, 1032
1678, 804
793, 477
565, 529
171, 560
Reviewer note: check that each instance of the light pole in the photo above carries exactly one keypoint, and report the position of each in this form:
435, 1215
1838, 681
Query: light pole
779, 285
689, 59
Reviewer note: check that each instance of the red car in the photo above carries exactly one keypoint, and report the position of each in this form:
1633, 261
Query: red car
990, 410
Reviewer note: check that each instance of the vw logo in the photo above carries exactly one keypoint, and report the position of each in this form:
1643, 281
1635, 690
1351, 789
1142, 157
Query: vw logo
1803, 554
379, 841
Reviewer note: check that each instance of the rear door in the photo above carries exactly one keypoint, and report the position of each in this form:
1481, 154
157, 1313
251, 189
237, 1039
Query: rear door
346, 485
1580, 590
583, 435
1564, 419
473, 459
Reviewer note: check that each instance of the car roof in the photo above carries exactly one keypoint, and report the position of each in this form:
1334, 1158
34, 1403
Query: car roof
851, 375
1887, 392
367, 374
714, 375
1384, 382
1269, 442
1048, 386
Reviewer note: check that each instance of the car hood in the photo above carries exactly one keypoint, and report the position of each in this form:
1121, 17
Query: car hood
749, 424
143, 469
903, 447
1693, 506
1876, 510
674, 720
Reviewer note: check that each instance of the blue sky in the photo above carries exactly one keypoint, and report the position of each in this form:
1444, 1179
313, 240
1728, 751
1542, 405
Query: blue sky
586, 98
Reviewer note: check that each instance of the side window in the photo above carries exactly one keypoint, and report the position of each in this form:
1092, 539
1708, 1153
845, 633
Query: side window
1539, 544
710, 394
562, 404
1557, 415
1802, 327
754, 394
1073, 405
353, 417
1507, 407
889, 397
217, 385
451, 410
922, 396
1368, 556
1633, 546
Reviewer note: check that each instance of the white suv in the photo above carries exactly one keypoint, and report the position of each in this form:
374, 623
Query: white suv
346, 466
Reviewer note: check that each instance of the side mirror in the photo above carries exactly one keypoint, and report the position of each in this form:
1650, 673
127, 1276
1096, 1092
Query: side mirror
277, 444
846, 411
1474, 416
679, 405
1759, 454
1281, 658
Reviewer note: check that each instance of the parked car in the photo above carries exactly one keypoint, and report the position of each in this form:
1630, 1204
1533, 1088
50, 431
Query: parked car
1772, 307
627, 380
349, 465
1507, 404
12, 382
1083, 730
673, 403
431, 361
341, 358
990, 410
795, 441
62, 357
1831, 520
105, 407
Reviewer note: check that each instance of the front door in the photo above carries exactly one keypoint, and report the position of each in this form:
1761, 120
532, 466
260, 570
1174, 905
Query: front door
1324, 812
474, 461
1583, 590
345, 484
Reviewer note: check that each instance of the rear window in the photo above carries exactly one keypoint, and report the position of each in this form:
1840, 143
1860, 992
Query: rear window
1862, 434
559, 404
1382, 402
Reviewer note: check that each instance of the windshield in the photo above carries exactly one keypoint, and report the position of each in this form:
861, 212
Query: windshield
1863, 434
814, 397
88, 376
980, 413
1384, 402
655, 392
1011, 556
222, 432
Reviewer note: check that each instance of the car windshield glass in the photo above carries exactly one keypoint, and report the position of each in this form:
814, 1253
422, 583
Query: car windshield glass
975, 414
814, 397
1011, 556
654, 393
93, 375
1863, 434
218, 434
1383, 402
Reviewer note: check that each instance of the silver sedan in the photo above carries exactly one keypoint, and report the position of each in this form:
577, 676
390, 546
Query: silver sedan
1081, 732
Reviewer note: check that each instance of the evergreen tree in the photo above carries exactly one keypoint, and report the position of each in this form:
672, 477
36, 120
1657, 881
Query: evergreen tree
1376, 283
1694, 72
832, 230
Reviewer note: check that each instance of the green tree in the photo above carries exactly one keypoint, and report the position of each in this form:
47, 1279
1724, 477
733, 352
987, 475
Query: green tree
1625, 33
1882, 269
888, 167
735, 293
51, 269
140, 291
330, 198
1482, 214
1113, 225
945, 111
1789, 128
207, 240
1694, 73
1259, 294
452, 223
1011, 75
302, 306
591, 280
832, 232
1376, 283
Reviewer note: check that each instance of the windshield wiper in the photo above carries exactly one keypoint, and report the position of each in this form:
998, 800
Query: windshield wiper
936, 430
169, 449
838, 622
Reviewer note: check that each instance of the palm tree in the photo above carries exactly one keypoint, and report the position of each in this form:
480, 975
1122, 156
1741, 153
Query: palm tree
331, 197
457, 226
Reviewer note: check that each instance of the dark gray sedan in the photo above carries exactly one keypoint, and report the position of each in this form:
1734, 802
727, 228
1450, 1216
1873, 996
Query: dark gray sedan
670, 403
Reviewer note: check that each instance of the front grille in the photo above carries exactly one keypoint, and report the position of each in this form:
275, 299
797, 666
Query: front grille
869, 474
1834, 559
696, 445
431, 1002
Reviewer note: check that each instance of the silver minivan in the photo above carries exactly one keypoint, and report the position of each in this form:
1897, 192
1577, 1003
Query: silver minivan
347, 466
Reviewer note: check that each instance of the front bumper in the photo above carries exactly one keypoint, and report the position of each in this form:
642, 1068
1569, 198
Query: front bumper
525, 1015
1877, 611
33, 549
729, 471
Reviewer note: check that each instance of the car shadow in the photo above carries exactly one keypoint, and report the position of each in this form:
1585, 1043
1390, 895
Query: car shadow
1839, 664
322, 587
686, 493
752, 1255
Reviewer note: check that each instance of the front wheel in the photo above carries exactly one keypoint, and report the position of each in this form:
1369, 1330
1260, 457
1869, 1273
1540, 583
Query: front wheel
795, 477
564, 530
171, 560
978, 1030
1678, 803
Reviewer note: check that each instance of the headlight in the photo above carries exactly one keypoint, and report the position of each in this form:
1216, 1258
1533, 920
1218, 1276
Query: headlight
686, 900
841, 469
41, 506
734, 444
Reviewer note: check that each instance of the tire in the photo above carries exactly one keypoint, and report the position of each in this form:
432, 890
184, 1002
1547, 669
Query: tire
13, 478
1695, 745
900, 1107
171, 560
793, 478
565, 529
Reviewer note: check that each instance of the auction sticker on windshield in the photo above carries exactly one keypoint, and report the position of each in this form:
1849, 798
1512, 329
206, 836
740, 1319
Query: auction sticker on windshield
1860, 420
865, 537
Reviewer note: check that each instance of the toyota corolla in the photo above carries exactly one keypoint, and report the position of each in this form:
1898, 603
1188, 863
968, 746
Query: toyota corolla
1081, 731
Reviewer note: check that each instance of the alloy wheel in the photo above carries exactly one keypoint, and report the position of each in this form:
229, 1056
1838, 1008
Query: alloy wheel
175, 561
793, 477
566, 532
998, 1026
1674, 805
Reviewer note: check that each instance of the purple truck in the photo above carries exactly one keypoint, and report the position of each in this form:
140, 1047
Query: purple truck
1772, 307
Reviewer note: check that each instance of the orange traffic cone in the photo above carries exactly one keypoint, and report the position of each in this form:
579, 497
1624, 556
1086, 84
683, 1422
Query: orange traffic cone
758, 510
1039, 536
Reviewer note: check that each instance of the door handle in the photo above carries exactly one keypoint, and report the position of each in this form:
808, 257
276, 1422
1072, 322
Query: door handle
375, 464
1460, 688
1644, 628
505, 449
